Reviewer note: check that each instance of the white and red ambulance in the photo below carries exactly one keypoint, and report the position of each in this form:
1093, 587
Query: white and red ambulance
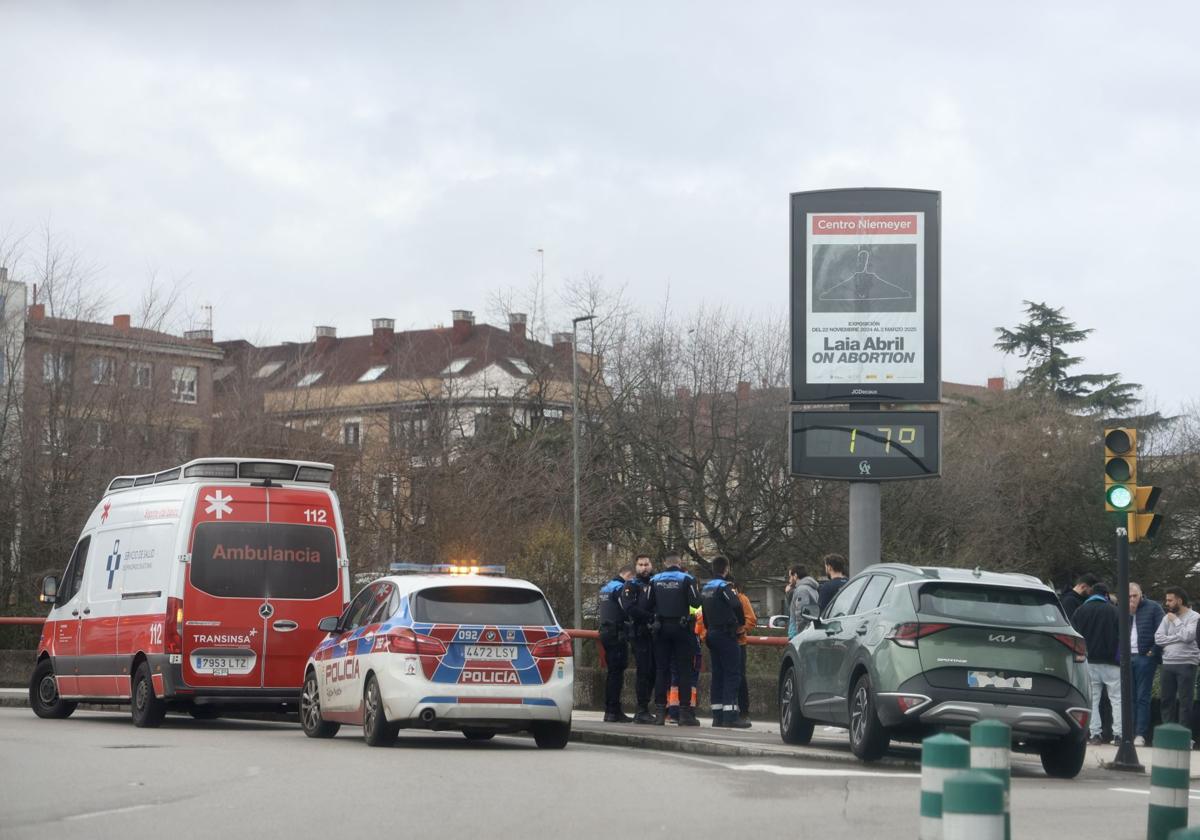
198, 588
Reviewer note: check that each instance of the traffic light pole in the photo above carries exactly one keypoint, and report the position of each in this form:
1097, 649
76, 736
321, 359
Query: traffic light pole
865, 521
1126, 758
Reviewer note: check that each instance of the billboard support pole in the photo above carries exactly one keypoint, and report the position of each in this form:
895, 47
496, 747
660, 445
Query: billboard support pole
865, 521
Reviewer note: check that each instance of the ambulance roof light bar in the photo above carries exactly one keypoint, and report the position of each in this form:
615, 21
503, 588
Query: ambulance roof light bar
447, 569
231, 468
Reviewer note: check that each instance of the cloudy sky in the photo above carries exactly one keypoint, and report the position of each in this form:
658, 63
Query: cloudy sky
305, 163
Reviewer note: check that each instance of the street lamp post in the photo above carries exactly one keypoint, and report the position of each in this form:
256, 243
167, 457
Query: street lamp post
578, 587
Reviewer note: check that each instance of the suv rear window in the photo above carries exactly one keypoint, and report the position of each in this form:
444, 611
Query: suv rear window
991, 604
264, 560
482, 605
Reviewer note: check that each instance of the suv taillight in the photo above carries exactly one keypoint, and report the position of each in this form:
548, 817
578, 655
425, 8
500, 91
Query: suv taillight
404, 640
553, 648
1077, 645
906, 634
173, 629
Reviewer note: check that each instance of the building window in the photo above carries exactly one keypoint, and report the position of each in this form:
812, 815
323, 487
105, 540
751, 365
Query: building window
352, 433
522, 367
185, 444
455, 366
104, 370
56, 367
373, 374
183, 383
409, 428
268, 369
100, 434
141, 374
309, 379
385, 492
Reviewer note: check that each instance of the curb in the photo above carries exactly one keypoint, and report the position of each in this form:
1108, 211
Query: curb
724, 749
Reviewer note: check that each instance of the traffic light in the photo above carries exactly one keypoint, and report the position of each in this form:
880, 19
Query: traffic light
1120, 469
1143, 524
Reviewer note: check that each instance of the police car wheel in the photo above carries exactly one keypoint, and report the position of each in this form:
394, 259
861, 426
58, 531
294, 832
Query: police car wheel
376, 730
310, 711
43, 693
793, 727
478, 734
549, 735
147, 710
868, 737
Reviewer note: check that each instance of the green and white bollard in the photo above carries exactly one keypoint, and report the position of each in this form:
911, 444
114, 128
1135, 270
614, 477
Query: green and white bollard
1170, 769
942, 756
973, 807
990, 744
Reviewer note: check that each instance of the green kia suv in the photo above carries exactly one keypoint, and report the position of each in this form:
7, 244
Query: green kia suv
902, 652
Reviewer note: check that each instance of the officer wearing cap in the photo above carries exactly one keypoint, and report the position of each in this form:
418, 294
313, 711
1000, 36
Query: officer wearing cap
723, 617
635, 600
673, 594
614, 637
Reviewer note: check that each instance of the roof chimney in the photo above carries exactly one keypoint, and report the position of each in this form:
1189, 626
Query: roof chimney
383, 330
516, 327
324, 336
121, 322
464, 322
37, 312
199, 335
995, 383
743, 391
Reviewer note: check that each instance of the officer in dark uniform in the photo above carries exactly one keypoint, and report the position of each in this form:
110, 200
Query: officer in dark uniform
636, 602
673, 594
723, 617
614, 635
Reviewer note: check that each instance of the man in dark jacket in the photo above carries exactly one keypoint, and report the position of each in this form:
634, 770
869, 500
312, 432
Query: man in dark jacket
1076, 595
1146, 615
1098, 621
835, 570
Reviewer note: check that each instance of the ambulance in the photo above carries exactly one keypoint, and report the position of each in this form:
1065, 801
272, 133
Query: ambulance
196, 589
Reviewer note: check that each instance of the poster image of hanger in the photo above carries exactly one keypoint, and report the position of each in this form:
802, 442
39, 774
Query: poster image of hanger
864, 284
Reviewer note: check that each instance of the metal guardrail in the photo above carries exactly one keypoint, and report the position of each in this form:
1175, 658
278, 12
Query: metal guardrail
28, 621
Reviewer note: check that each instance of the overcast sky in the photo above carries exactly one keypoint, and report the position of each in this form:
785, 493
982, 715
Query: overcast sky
329, 163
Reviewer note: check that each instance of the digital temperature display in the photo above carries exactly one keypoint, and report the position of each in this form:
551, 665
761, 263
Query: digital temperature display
866, 445
865, 441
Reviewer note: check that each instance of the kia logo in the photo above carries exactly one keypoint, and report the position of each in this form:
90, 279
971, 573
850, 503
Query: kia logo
996, 637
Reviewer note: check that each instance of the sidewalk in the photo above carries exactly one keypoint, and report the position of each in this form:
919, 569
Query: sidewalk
829, 745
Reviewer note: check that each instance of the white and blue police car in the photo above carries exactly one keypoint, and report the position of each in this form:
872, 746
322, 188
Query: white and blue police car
442, 648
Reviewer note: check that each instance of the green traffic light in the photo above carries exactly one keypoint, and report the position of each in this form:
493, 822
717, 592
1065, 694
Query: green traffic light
1120, 496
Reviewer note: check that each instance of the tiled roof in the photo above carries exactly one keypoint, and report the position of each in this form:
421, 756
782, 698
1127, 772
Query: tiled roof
133, 336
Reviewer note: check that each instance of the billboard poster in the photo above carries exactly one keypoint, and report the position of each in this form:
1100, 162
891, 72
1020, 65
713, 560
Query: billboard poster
864, 303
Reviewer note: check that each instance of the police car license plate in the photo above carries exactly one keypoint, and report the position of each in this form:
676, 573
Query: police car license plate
991, 679
491, 653
222, 666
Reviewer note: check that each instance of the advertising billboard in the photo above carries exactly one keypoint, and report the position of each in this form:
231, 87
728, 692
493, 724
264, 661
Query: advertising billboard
865, 282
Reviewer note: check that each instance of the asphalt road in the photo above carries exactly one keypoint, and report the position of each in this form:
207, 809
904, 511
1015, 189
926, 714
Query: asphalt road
96, 776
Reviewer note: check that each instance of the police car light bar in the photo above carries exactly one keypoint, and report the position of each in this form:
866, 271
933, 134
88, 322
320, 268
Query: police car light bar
445, 569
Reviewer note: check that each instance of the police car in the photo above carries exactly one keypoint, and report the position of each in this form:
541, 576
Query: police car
442, 648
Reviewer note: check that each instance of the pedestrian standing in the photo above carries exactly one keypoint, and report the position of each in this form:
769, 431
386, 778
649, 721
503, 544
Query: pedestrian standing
835, 571
743, 701
673, 594
614, 637
1145, 616
1098, 621
803, 591
723, 618
1075, 596
636, 602
1176, 635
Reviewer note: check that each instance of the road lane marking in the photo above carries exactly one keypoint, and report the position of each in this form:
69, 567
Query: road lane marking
778, 770
1192, 794
127, 809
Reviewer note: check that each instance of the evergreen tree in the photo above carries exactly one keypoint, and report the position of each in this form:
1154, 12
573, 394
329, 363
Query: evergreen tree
1042, 340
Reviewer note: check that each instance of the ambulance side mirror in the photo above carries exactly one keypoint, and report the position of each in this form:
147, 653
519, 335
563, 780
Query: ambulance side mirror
49, 589
328, 624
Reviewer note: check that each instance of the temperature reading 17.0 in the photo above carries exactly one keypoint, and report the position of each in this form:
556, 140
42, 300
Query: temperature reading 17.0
859, 441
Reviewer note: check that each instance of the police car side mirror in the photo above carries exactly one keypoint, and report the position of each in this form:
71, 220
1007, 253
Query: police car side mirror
329, 624
49, 589
811, 613
778, 622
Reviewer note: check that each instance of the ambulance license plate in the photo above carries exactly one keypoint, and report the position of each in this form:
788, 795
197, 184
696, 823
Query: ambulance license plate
991, 679
491, 653
222, 666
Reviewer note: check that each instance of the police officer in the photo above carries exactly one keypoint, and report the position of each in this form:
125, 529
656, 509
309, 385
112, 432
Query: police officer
673, 594
635, 600
614, 635
723, 617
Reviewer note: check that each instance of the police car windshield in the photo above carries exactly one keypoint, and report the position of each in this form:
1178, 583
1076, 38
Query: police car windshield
482, 605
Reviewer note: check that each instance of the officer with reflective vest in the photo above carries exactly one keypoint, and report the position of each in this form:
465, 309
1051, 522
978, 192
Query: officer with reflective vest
673, 594
723, 617
614, 635
635, 600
